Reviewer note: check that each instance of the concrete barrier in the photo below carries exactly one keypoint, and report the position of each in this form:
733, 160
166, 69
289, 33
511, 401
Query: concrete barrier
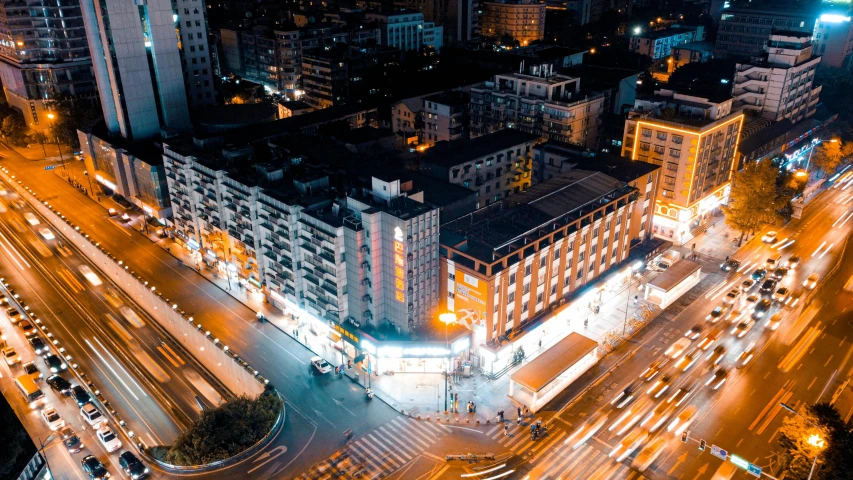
230, 369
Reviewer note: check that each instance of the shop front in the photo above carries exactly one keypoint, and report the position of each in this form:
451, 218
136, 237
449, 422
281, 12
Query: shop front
390, 357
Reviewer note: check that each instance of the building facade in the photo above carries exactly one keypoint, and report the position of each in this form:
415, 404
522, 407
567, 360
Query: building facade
658, 44
407, 30
43, 54
459, 19
523, 20
445, 117
538, 102
744, 27
833, 39
694, 140
779, 85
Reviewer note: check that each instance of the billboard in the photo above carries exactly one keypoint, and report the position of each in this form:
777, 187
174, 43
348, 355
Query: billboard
470, 300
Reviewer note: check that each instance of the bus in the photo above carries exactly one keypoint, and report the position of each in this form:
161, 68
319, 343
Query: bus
31, 392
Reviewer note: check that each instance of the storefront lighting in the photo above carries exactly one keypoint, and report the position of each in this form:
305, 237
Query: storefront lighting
368, 347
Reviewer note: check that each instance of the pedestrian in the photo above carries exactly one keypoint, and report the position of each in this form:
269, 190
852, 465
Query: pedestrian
501, 415
519, 412
526, 411
506, 429
519, 419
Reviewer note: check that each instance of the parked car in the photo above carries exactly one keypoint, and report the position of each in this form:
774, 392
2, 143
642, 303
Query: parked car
92, 415
321, 365
108, 439
81, 396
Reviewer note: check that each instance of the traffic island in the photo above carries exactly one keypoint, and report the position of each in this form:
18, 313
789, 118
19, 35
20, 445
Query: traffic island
223, 436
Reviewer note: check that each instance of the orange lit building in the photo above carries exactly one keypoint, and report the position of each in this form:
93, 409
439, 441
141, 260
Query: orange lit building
694, 140
523, 20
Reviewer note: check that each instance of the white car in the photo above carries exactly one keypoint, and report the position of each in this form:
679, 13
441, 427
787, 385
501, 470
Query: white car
682, 421
743, 327
677, 349
11, 356
751, 302
732, 296
792, 263
769, 237
111, 212
52, 418
774, 321
811, 282
631, 442
649, 454
89, 275
746, 356
321, 365
782, 295
109, 439
92, 415
31, 219
46, 233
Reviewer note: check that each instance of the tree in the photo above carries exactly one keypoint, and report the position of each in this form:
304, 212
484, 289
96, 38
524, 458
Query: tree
828, 156
818, 432
754, 200
70, 115
14, 128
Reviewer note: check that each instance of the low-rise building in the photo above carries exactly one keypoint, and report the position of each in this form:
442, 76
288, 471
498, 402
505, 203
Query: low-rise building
779, 84
693, 52
658, 44
445, 117
496, 165
540, 102
523, 20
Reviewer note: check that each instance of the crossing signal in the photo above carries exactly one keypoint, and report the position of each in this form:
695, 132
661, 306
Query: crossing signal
701, 445
684, 436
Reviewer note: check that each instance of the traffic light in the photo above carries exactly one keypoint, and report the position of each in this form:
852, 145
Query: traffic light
684, 436
701, 445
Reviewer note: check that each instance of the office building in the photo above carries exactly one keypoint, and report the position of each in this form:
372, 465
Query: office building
745, 26
43, 52
407, 30
657, 44
458, 19
833, 38
523, 20
779, 84
694, 139
496, 165
540, 102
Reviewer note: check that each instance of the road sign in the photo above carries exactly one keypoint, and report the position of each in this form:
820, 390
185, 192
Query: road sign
50, 167
719, 452
739, 462
754, 470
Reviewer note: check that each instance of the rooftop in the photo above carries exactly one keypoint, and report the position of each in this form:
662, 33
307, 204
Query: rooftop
621, 168
696, 46
543, 369
449, 154
453, 97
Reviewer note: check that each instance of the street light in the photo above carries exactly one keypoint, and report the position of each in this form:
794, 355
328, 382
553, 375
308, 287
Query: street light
51, 117
447, 318
814, 439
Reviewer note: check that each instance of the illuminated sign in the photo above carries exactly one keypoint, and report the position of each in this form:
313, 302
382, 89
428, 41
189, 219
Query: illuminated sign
345, 334
399, 266
833, 18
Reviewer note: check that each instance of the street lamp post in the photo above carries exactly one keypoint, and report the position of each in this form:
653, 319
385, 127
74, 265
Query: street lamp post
51, 117
814, 440
447, 318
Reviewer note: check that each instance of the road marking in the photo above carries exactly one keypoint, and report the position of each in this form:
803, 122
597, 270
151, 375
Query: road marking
739, 442
434, 457
169, 349
774, 401
812, 383
267, 457
828, 360
168, 357
773, 413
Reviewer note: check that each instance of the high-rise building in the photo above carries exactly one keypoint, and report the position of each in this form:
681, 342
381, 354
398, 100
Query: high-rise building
745, 26
694, 140
779, 84
151, 63
833, 36
523, 20
43, 53
459, 19
405, 29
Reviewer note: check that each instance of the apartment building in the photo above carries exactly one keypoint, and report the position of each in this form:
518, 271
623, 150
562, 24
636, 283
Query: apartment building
523, 20
459, 19
496, 165
657, 44
694, 140
445, 117
513, 262
335, 76
693, 52
745, 26
779, 84
833, 37
540, 102
406, 29
277, 228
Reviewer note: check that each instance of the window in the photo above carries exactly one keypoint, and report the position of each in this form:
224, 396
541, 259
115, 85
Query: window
512, 278
524, 306
646, 132
659, 149
511, 297
557, 254
527, 287
542, 260
580, 257
677, 139
554, 289
527, 269
662, 136
670, 167
644, 146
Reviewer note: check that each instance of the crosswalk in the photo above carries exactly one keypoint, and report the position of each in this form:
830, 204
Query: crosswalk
381, 452
551, 460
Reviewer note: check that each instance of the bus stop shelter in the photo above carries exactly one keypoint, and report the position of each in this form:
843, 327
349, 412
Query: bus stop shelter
550, 373
671, 284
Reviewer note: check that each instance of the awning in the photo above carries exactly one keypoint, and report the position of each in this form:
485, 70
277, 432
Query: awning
358, 358
543, 369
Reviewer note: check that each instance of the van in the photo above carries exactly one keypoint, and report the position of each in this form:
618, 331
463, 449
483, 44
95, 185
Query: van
31, 392
668, 259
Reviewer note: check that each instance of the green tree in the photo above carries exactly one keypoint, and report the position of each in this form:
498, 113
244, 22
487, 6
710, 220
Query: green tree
828, 156
14, 128
754, 201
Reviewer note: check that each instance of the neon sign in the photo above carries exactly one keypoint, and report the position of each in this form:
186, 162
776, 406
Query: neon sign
399, 266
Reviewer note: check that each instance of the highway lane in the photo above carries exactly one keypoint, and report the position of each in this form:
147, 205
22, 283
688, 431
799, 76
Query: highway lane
807, 234
320, 409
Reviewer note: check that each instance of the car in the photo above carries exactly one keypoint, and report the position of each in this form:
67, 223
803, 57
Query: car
125, 217
51, 418
28, 328
792, 263
94, 467
732, 296
716, 380
32, 370
736, 314
629, 443
46, 233
70, 439
751, 301
59, 384
92, 415
768, 286
31, 219
4, 300
659, 387
108, 439
677, 349
769, 237
688, 360
716, 314
743, 328
13, 314
694, 332
730, 265
680, 395
654, 369
759, 274
710, 339
656, 419
132, 466
716, 356
682, 421
38, 345
811, 282
592, 425
631, 415
11, 356
321, 365
772, 262
111, 212
626, 395
81, 396
762, 308
89, 275
746, 355
780, 273
54, 363
774, 321
782, 295
747, 285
